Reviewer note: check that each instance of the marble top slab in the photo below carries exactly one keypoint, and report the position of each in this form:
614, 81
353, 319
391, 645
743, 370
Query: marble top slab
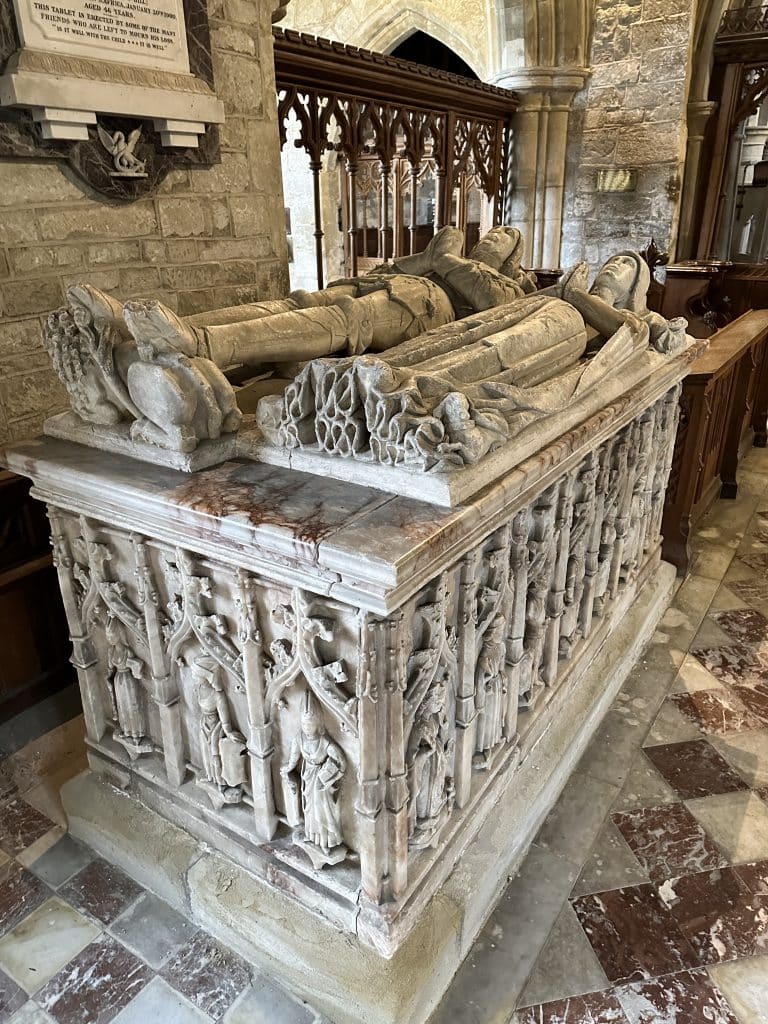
359, 544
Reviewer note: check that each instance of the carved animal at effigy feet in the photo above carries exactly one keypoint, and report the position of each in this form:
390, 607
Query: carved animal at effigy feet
429, 363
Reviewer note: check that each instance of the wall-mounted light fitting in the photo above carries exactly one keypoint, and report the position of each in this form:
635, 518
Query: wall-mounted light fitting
617, 179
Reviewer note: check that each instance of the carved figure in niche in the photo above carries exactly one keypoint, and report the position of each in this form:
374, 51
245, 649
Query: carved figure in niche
582, 518
540, 550
429, 763
222, 747
490, 679
313, 799
125, 672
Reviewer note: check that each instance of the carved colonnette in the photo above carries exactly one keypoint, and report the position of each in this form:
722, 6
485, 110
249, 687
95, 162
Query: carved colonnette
345, 755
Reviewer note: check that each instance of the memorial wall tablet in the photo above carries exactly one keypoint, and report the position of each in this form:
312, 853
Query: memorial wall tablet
148, 33
121, 88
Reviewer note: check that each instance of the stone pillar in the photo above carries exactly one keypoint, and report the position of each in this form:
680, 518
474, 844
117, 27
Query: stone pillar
535, 203
699, 114
633, 116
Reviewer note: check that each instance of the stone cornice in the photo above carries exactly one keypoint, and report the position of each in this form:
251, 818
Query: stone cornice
540, 79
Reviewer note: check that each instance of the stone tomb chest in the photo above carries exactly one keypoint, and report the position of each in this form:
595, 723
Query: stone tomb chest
325, 719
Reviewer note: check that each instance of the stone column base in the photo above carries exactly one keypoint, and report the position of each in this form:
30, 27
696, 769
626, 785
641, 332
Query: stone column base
339, 976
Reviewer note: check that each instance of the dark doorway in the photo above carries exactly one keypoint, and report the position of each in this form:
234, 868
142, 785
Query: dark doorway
431, 53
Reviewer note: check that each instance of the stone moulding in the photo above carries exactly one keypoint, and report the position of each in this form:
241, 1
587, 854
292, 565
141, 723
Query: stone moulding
333, 711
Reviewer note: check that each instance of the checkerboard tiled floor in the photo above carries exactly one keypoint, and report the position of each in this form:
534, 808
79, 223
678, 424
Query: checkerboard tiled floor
81, 943
643, 900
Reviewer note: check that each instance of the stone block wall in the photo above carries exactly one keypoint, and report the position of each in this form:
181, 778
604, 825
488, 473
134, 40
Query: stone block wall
633, 114
209, 237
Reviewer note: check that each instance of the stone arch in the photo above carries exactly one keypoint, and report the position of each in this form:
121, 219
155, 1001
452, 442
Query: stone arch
383, 31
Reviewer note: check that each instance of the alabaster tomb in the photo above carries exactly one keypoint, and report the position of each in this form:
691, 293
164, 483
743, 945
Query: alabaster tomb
351, 578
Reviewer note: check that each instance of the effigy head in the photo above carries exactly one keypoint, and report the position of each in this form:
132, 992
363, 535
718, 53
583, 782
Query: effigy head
497, 246
623, 281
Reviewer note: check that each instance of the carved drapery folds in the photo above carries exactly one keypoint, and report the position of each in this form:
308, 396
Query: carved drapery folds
343, 743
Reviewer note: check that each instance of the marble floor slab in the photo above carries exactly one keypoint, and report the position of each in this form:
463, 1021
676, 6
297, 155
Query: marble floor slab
668, 841
43, 942
694, 769
12, 996
744, 983
152, 929
566, 966
750, 590
31, 1013
733, 663
61, 861
737, 822
93, 986
686, 998
644, 787
716, 712
264, 1002
101, 890
747, 753
633, 933
159, 1002
611, 864
21, 825
595, 1008
210, 976
716, 913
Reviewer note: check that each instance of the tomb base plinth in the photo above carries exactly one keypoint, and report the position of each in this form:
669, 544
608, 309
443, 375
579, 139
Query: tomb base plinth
337, 974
